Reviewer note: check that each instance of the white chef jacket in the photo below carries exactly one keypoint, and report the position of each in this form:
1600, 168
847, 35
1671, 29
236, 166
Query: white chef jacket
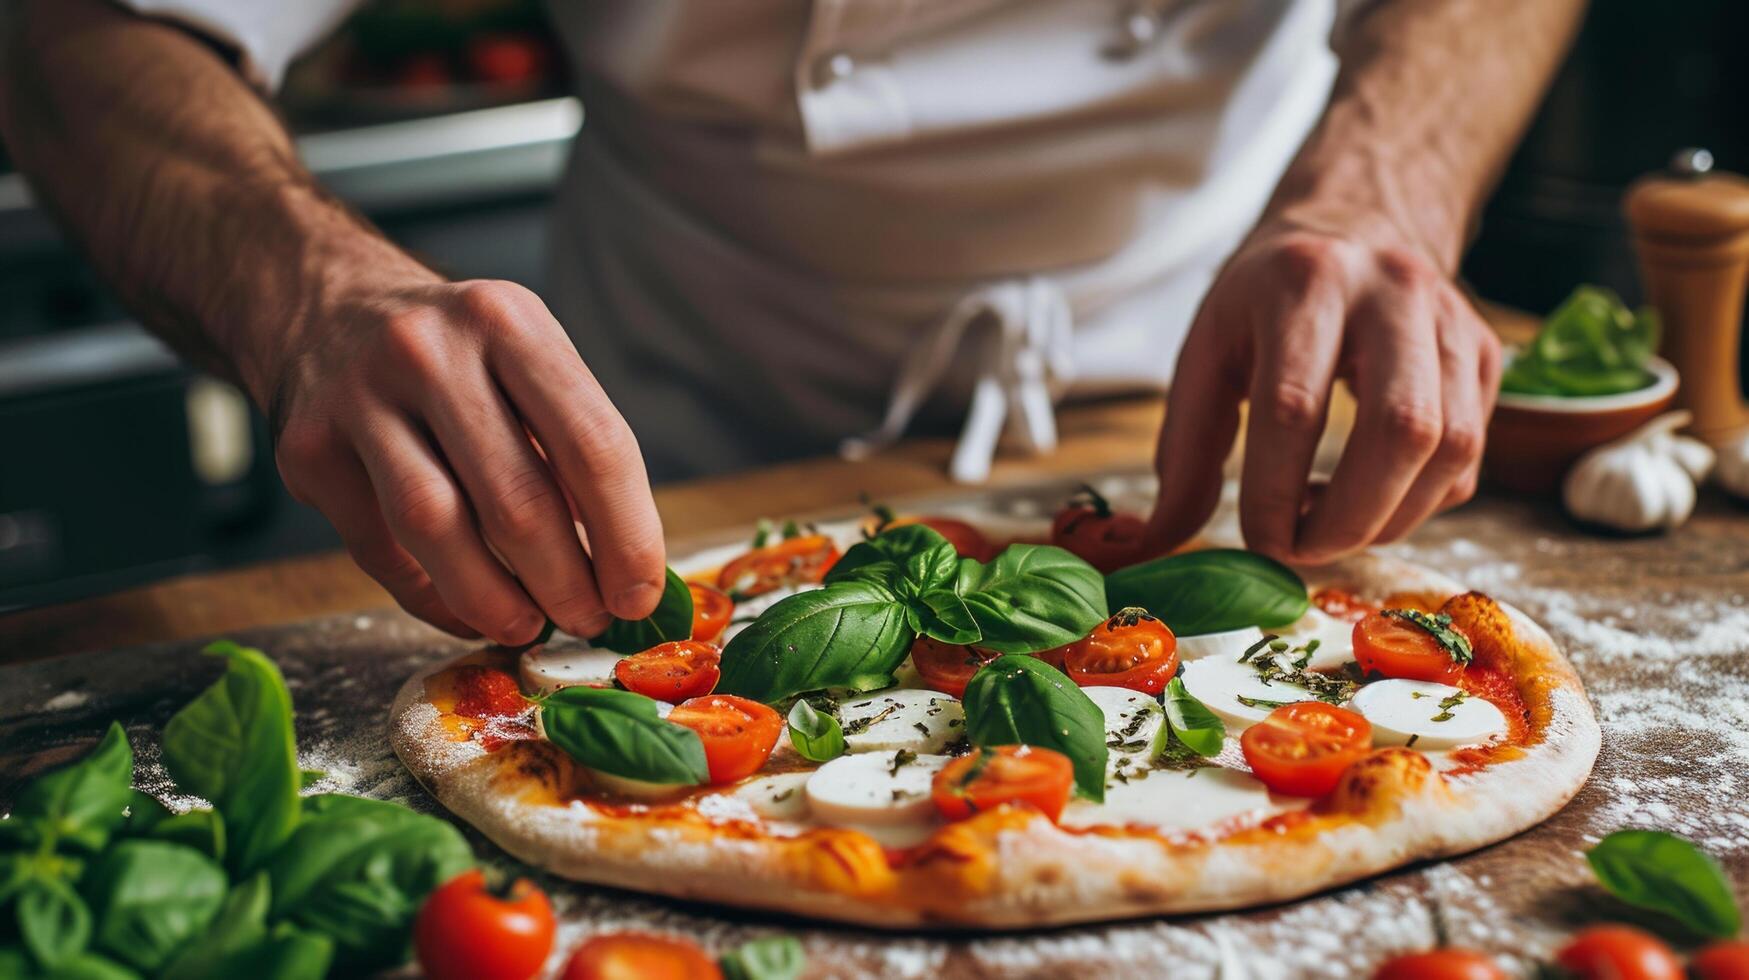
796, 225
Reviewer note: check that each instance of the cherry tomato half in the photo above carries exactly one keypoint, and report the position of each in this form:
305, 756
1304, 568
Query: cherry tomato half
672, 671
1618, 953
1131, 649
711, 610
1397, 648
465, 932
1088, 528
1441, 964
639, 956
1302, 749
1727, 960
948, 668
1037, 777
738, 734
793, 561
1344, 605
487, 692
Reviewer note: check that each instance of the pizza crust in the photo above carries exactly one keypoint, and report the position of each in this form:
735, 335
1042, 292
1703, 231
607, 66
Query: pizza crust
1008, 870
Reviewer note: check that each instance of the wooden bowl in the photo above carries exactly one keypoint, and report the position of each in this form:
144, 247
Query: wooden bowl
1533, 439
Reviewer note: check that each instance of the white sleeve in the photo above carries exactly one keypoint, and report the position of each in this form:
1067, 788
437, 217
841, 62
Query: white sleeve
267, 34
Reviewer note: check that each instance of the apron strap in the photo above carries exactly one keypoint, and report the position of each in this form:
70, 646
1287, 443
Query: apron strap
1029, 361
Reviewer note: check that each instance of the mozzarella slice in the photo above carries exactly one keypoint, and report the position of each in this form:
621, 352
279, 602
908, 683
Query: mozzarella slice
1132, 719
1335, 639
777, 796
874, 789
901, 718
1190, 799
547, 668
1230, 644
1427, 715
1220, 683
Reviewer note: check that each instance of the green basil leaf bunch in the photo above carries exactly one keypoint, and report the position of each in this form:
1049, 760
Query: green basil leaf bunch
101, 881
817, 735
1592, 344
1655, 870
1211, 591
671, 620
904, 583
621, 733
1021, 700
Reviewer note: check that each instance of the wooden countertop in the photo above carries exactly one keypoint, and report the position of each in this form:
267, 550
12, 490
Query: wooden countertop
1094, 436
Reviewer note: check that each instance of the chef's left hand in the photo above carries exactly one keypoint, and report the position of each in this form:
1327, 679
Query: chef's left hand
1296, 308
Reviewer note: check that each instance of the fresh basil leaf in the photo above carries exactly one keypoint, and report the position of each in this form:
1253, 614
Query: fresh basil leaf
672, 620
310, 777
1031, 597
238, 944
149, 897
201, 828
943, 615
15, 962
620, 733
53, 921
1021, 700
1666, 873
849, 634
815, 734
771, 958
79, 805
1211, 591
357, 870
1200, 729
234, 746
911, 559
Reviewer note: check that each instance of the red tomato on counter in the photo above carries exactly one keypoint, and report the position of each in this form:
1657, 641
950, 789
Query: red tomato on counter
639, 956
1088, 528
1618, 953
466, 932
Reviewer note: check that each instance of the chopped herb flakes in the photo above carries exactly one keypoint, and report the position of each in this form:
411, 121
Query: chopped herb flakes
1329, 688
1438, 625
1449, 703
1261, 703
901, 759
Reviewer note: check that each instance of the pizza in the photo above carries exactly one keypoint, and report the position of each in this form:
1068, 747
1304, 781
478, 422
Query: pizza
986, 717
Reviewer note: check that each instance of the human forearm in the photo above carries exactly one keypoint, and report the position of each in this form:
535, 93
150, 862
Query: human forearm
181, 186
1432, 97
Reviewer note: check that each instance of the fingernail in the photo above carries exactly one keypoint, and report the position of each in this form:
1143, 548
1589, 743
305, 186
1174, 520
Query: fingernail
636, 601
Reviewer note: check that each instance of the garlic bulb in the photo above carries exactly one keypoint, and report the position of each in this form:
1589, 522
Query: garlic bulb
1733, 470
1642, 481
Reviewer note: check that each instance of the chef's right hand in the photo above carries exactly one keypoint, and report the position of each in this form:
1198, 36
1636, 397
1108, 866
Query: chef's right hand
452, 435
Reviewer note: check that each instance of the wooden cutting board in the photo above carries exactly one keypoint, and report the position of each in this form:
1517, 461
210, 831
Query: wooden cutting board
1658, 627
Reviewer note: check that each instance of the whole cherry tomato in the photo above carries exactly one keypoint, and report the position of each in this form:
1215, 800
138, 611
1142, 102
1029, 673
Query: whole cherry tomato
1728, 960
672, 671
1131, 649
506, 59
1303, 749
711, 610
639, 956
1037, 777
1397, 647
466, 932
948, 668
738, 733
1090, 529
1440, 964
1618, 953
800, 560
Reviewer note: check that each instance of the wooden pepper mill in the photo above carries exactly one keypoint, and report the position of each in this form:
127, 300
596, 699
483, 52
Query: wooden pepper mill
1691, 231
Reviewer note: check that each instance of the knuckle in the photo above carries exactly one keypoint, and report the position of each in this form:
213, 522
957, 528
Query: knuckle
1461, 444
522, 506
1414, 426
493, 300
413, 342
1463, 490
426, 510
1406, 269
607, 442
301, 451
1294, 407
1303, 262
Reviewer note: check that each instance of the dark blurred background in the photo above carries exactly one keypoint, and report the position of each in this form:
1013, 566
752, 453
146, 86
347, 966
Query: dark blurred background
447, 123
